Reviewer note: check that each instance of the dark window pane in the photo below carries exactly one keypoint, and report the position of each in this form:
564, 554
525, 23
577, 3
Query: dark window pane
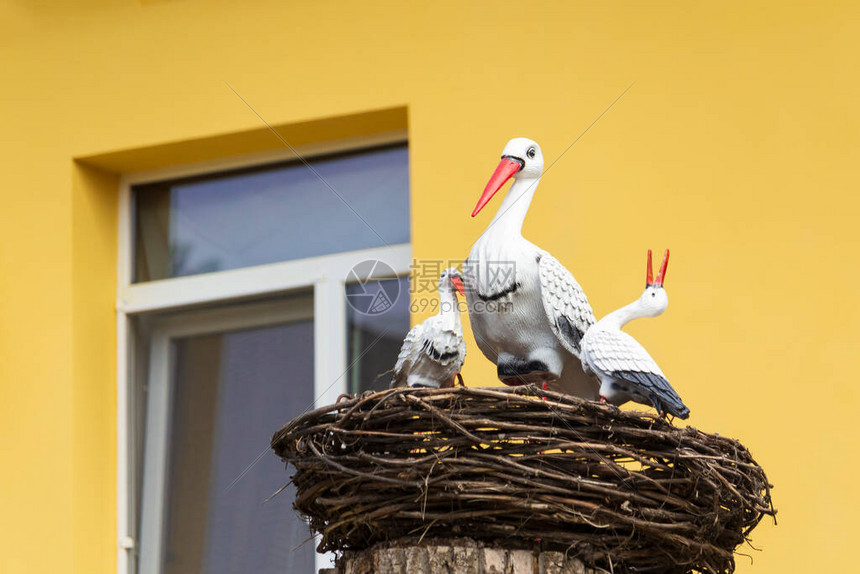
273, 213
231, 391
374, 337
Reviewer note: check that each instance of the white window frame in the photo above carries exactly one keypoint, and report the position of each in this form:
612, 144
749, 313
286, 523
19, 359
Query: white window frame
325, 275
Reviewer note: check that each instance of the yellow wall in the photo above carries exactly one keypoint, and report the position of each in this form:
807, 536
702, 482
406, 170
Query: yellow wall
737, 147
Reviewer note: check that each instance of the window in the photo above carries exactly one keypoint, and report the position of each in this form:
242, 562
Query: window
191, 225
242, 304
220, 380
374, 337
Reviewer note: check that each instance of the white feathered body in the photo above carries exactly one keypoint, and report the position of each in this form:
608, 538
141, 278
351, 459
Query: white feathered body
606, 351
527, 312
626, 370
433, 351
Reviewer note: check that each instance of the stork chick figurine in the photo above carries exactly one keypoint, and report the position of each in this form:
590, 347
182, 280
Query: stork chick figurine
626, 370
527, 311
433, 351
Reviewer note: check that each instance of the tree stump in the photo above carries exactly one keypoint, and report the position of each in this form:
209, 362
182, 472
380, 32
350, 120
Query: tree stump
453, 556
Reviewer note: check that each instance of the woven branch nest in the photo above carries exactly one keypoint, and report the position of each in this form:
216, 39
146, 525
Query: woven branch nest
623, 491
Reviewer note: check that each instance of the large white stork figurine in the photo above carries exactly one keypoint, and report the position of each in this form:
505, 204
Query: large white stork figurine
527, 311
433, 351
626, 370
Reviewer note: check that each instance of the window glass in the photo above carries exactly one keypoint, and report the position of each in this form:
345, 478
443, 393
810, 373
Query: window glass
231, 391
273, 213
375, 331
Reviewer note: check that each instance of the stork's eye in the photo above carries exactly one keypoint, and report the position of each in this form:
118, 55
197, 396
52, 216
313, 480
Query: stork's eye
531, 153
653, 294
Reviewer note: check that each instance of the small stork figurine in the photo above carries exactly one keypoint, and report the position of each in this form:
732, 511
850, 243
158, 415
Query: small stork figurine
433, 351
626, 370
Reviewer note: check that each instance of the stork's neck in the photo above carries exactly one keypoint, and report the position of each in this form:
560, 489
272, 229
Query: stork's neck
449, 309
511, 214
620, 317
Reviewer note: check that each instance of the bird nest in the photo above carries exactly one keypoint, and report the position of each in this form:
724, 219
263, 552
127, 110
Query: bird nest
622, 491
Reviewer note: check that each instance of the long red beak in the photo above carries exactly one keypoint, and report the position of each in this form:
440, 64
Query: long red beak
649, 278
661, 275
504, 171
458, 285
